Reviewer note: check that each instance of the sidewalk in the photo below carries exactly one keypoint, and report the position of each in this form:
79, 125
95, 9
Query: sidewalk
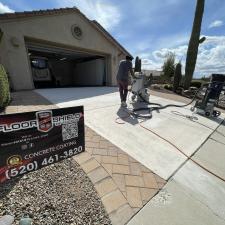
193, 195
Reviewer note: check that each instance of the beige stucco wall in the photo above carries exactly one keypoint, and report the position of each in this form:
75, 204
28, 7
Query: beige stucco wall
53, 30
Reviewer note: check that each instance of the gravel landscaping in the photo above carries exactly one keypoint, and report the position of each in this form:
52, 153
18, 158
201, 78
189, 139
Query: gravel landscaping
55, 195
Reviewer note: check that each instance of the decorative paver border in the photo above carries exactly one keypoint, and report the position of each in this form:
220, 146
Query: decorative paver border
123, 184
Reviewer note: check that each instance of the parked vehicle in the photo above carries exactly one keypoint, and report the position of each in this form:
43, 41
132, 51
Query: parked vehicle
41, 72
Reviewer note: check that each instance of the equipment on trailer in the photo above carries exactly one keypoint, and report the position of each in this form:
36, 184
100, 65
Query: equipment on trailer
206, 106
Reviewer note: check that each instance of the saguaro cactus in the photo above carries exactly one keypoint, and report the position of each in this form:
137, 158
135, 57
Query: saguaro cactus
194, 42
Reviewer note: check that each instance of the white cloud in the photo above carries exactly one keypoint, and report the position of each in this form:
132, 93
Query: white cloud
151, 64
5, 9
214, 40
211, 56
165, 42
146, 61
173, 41
216, 23
107, 14
180, 51
143, 45
156, 59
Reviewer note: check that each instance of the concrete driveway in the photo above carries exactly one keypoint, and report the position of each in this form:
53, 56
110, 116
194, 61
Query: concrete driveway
192, 194
102, 108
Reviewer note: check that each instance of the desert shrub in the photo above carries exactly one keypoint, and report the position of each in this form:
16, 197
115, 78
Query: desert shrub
168, 87
4, 88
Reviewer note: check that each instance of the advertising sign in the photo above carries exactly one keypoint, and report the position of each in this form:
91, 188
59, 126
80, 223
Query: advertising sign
32, 140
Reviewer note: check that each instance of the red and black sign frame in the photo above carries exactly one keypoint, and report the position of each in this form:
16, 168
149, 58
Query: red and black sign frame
32, 140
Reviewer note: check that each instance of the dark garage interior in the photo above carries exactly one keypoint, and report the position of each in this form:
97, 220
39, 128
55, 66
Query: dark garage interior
52, 68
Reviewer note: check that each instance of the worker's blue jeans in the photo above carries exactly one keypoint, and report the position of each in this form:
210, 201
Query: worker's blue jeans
123, 89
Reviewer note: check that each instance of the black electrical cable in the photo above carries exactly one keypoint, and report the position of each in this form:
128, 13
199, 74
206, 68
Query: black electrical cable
175, 146
147, 102
195, 120
160, 107
192, 118
183, 153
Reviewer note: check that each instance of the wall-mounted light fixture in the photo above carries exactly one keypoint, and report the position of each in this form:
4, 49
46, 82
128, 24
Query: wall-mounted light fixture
14, 41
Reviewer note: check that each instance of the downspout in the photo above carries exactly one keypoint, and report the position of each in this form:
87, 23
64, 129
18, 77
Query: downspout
1, 34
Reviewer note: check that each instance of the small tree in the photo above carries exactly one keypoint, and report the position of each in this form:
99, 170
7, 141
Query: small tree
177, 76
137, 65
140, 65
4, 88
169, 66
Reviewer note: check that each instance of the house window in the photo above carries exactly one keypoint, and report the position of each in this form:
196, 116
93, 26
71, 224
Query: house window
77, 32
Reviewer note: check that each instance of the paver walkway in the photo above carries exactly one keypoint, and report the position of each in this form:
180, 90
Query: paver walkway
123, 184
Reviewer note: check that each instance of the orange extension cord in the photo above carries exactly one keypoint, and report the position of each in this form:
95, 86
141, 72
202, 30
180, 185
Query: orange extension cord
177, 148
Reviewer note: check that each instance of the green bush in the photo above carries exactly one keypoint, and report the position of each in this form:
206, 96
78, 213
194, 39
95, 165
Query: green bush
4, 88
196, 84
177, 76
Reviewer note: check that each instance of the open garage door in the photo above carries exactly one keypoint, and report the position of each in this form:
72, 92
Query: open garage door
59, 67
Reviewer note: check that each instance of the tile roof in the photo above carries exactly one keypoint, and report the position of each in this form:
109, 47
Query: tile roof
37, 13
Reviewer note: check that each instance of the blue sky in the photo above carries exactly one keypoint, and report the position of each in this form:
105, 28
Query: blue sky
150, 28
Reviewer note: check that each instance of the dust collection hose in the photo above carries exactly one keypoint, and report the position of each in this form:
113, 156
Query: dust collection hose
160, 107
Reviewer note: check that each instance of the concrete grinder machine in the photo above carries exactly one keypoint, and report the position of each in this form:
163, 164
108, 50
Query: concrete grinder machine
205, 106
139, 87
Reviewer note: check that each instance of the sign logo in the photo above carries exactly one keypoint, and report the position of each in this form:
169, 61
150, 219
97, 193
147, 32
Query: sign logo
14, 160
44, 121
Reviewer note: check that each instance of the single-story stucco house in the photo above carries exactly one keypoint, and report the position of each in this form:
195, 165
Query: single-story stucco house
57, 47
